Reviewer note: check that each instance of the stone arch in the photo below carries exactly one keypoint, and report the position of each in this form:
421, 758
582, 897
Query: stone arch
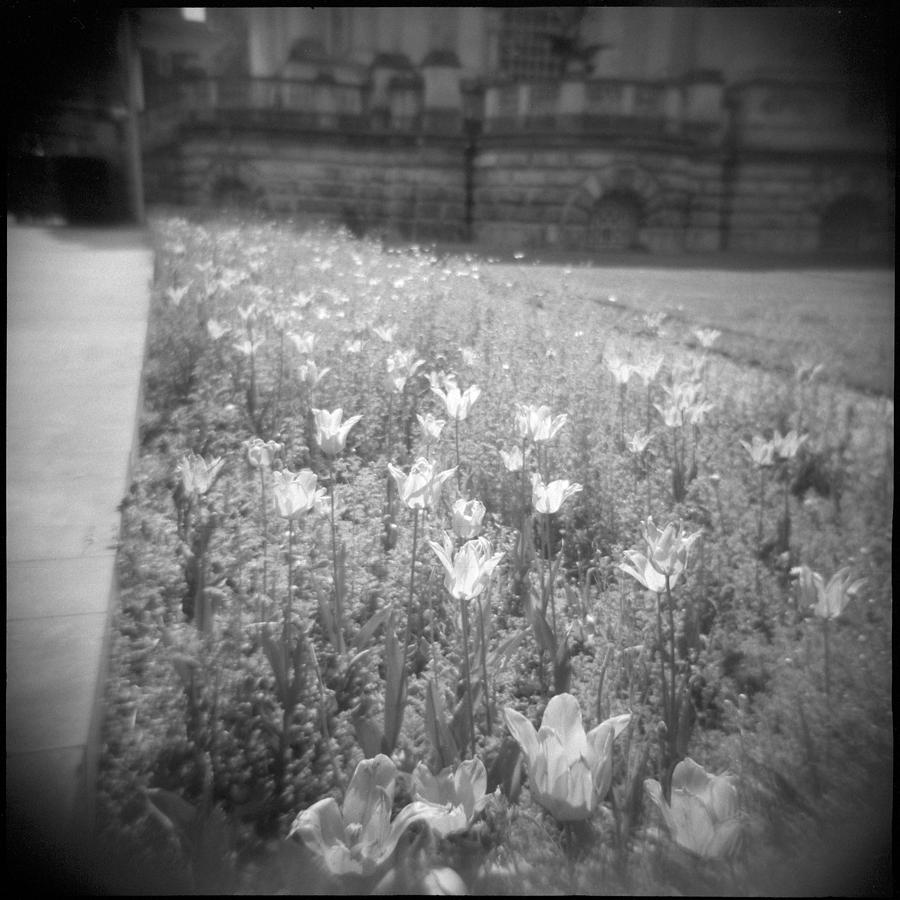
233, 185
854, 211
847, 224
610, 207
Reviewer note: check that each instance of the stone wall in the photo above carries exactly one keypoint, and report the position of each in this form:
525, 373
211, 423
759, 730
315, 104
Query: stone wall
410, 189
779, 204
549, 196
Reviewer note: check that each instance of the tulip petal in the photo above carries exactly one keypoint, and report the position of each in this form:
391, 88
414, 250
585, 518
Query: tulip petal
417, 811
563, 716
361, 795
376, 826
470, 784
320, 826
694, 827
723, 797
524, 732
724, 839
427, 786
654, 791
691, 777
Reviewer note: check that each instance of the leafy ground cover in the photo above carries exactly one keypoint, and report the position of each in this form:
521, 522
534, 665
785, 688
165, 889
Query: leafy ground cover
677, 563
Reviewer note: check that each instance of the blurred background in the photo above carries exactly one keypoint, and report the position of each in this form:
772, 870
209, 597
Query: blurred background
669, 130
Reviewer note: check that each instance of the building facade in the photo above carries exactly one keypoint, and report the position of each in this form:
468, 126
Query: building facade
663, 129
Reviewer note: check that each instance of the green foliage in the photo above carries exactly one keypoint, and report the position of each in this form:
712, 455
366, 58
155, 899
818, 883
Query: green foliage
230, 733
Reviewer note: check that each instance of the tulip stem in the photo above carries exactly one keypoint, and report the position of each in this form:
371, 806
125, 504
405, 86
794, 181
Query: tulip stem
286, 633
265, 540
825, 634
324, 716
338, 598
673, 697
662, 667
458, 472
759, 524
548, 595
469, 708
483, 610
412, 580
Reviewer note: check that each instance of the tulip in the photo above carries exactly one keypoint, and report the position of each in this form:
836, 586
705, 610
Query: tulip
385, 332
262, 453
513, 460
568, 770
431, 427
648, 368
421, 488
673, 415
305, 343
459, 794
467, 517
621, 371
638, 442
696, 412
702, 816
296, 494
761, 451
828, 601
786, 447
331, 435
216, 329
247, 347
548, 498
358, 838
457, 403
311, 374
400, 368
198, 474
707, 336
535, 422
469, 570
666, 558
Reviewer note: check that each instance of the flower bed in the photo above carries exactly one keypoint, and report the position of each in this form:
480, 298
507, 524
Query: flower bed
388, 516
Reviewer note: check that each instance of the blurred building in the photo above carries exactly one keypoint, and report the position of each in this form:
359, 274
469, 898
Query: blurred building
665, 129
73, 97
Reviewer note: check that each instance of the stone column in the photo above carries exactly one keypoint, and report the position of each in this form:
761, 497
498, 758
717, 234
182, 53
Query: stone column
443, 98
385, 69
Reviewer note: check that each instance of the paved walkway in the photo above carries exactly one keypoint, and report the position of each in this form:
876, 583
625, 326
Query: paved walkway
77, 304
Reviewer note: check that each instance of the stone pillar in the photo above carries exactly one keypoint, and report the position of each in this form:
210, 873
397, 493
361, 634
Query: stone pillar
673, 107
443, 98
703, 94
385, 69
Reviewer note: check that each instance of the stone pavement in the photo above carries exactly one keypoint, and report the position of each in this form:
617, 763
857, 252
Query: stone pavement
77, 304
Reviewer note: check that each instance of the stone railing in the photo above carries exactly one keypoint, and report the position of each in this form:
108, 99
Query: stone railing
588, 105
394, 102
813, 116
760, 114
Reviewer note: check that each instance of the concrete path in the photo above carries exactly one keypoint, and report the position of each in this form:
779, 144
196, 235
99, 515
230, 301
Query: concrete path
77, 304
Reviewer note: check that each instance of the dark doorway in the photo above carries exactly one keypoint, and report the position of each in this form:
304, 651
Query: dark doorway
848, 226
615, 221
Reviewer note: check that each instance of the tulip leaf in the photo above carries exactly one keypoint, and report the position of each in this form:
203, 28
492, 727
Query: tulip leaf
369, 737
562, 668
327, 613
296, 685
275, 654
395, 684
439, 734
542, 632
499, 659
506, 772
367, 632
174, 812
